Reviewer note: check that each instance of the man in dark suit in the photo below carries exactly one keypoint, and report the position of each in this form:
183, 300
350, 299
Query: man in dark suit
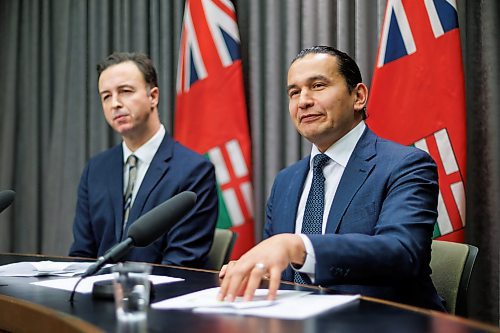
149, 167
357, 215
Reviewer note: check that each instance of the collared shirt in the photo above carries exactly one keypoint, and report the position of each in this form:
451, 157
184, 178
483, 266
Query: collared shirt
339, 153
144, 154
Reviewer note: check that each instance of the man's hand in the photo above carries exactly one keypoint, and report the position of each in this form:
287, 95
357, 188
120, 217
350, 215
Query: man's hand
267, 259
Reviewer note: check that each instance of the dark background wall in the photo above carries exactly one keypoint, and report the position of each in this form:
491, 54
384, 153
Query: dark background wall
51, 121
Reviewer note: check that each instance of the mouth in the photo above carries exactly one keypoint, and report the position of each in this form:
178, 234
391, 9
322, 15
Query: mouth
119, 116
308, 118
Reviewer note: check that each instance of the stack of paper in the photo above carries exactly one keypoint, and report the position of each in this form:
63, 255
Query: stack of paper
44, 268
86, 285
289, 304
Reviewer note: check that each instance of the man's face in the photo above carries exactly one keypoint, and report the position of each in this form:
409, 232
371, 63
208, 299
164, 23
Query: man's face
320, 104
127, 101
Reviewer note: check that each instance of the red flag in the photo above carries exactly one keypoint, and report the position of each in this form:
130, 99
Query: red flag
418, 96
211, 116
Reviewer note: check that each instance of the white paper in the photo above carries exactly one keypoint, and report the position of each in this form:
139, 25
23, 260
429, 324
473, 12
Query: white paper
208, 298
86, 285
289, 304
292, 309
44, 268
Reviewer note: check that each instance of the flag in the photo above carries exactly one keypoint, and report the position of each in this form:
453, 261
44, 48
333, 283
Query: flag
211, 115
418, 96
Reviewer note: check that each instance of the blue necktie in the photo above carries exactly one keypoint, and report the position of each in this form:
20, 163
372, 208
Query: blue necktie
315, 204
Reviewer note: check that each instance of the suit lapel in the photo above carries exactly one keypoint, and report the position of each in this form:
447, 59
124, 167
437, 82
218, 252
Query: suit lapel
114, 175
357, 170
293, 193
157, 169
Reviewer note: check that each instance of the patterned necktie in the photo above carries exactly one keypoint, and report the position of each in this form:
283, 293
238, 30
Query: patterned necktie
315, 204
132, 175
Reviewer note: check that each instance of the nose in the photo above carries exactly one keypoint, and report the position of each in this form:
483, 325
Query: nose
305, 100
115, 101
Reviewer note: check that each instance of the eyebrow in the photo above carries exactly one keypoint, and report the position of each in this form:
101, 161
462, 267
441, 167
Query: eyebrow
119, 87
310, 80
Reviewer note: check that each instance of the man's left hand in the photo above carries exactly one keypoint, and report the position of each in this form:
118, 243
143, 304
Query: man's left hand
268, 259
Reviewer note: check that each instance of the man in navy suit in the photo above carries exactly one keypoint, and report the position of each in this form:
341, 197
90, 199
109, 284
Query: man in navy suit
355, 216
110, 199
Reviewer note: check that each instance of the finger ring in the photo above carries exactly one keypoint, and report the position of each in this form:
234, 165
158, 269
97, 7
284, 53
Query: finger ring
260, 266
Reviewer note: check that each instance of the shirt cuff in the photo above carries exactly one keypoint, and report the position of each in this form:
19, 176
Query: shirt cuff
310, 263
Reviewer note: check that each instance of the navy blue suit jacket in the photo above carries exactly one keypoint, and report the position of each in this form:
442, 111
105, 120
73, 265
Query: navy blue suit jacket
378, 233
174, 169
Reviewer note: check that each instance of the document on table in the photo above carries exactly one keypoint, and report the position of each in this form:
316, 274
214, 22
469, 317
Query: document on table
44, 268
86, 285
289, 304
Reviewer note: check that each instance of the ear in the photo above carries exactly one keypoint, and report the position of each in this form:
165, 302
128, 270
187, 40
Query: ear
360, 96
154, 96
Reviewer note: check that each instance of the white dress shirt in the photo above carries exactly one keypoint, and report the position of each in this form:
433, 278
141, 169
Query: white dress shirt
339, 153
144, 154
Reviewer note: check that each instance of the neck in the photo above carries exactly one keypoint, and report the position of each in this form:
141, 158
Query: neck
324, 145
135, 141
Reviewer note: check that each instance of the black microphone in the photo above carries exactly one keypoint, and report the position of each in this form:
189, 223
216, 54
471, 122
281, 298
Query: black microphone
6, 198
148, 228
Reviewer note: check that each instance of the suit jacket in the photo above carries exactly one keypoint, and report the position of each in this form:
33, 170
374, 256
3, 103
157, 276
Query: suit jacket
378, 234
174, 169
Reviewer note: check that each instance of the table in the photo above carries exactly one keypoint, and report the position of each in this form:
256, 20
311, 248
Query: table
18, 299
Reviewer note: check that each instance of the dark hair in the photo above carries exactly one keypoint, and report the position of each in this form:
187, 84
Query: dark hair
346, 65
142, 61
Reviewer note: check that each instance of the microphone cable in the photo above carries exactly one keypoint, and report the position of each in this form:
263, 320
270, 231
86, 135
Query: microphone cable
72, 296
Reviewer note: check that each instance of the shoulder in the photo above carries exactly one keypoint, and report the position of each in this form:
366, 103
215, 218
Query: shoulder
104, 158
394, 161
182, 159
390, 151
182, 150
390, 148
291, 172
186, 156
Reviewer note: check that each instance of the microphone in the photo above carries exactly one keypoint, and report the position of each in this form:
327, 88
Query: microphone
148, 228
6, 198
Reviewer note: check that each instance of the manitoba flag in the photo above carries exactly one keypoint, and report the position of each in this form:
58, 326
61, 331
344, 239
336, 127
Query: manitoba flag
211, 116
418, 96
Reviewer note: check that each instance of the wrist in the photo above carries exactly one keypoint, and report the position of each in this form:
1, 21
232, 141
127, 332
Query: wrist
297, 252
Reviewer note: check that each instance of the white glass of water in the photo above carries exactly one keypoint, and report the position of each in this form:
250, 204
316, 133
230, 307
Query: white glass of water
131, 290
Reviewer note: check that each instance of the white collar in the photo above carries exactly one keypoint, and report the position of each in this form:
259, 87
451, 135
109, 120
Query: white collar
147, 151
342, 149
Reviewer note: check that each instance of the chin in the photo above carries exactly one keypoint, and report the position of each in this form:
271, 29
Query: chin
309, 135
122, 130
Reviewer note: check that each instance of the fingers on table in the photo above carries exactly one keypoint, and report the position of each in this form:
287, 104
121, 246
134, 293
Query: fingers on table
274, 282
241, 280
257, 273
231, 284
222, 272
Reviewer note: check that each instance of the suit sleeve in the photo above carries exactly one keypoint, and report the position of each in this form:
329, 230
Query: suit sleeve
268, 232
190, 240
84, 241
399, 246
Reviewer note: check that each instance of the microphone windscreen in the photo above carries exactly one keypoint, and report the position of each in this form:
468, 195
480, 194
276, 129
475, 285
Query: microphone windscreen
6, 198
160, 219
